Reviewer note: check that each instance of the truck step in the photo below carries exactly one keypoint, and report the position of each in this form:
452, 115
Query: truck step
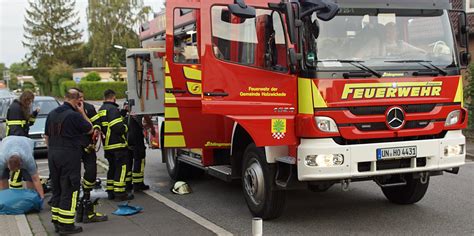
191, 161
223, 172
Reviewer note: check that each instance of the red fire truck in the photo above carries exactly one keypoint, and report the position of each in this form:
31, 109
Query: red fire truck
310, 93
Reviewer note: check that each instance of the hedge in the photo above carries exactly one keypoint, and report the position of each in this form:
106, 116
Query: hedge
95, 90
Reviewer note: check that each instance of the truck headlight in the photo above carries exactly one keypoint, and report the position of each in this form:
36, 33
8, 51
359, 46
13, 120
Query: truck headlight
326, 124
453, 150
453, 118
324, 160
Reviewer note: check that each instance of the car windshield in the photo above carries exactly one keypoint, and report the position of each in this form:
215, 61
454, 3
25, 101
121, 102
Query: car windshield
379, 37
45, 106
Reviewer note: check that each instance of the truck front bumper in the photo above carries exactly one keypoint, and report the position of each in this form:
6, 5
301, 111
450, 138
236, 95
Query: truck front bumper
431, 151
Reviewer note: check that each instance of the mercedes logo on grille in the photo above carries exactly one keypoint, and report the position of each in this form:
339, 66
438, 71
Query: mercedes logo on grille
395, 118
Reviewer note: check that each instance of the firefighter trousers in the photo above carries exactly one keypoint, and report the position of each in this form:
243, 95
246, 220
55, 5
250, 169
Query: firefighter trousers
65, 169
90, 170
138, 167
119, 171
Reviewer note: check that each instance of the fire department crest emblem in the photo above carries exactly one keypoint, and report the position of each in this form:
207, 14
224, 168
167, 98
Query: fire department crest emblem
278, 128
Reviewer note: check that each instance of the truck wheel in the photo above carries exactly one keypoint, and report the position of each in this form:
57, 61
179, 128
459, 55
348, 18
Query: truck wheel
257, 180
176, 170
411, 193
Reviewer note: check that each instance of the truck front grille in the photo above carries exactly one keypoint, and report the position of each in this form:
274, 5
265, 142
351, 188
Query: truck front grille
380, 110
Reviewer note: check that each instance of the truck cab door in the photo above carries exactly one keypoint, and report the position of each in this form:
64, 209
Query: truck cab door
245, 69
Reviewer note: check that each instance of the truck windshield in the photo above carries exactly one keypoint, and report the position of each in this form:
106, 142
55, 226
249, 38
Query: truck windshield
380, 38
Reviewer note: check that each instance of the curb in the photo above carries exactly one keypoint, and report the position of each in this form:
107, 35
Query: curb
23, 225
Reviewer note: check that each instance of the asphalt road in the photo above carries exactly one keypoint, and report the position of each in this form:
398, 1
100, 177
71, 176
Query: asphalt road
448, 207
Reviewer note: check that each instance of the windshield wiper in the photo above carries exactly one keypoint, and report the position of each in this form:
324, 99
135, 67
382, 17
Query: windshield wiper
421, 62
358, 64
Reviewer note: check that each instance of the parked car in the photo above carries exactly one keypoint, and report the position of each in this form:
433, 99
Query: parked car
46, 105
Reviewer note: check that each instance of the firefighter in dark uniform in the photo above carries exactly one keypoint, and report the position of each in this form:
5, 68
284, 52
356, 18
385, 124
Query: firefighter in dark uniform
137, 148
65, 126
19, 120
111, 120
86, 209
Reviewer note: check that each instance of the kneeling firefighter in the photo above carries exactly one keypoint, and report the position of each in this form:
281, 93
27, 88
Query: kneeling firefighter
86, 208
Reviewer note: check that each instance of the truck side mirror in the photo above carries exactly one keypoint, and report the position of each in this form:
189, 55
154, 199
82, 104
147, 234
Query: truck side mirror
242, 10
463, 30
465, 58
286, 8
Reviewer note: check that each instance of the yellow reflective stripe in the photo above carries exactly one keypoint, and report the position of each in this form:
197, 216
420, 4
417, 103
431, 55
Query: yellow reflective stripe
173, 127
171, 112
305, 97
168, 82
116, 121
16, 122
32, 120
317, 98
167, 68
460, 93
142, 167
99, 114
72, 211
122, 174
16, 174
170, 98
54, 209
105, 124
115, 146
191, 73
96, 127
137, 180
175, 141
65, 220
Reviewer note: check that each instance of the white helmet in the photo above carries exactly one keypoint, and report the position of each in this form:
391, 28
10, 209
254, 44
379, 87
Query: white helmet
181, 188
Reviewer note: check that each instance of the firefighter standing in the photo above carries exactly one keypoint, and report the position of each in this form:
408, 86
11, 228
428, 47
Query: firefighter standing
86, 209
113, 127
138, 150
65, 126
19, 120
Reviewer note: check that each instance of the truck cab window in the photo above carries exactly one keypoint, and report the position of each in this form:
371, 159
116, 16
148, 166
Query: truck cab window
185, 38
257, 42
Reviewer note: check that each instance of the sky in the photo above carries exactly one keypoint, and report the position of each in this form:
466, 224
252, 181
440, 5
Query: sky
12, 13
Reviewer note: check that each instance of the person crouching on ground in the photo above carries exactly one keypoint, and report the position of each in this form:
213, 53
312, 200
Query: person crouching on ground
16, 153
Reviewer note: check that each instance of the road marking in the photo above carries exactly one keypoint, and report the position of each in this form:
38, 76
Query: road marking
191, 215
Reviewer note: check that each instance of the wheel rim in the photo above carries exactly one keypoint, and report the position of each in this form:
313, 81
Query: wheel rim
254, 182
170, 158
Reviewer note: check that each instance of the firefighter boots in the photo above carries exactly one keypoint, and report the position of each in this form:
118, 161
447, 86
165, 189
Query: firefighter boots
64, 229
90, 215
140, 187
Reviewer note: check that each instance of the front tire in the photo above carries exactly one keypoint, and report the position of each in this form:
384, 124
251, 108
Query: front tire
410, 193
257, 182
176, 170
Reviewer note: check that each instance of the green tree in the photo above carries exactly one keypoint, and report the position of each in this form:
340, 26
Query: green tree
114, 22
58, 73
92, 76
115, 73
469, 95
2, 69
20, 68
51, 36
13, 83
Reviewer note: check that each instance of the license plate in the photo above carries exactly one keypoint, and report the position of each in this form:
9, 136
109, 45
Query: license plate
396, 152
40, 144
